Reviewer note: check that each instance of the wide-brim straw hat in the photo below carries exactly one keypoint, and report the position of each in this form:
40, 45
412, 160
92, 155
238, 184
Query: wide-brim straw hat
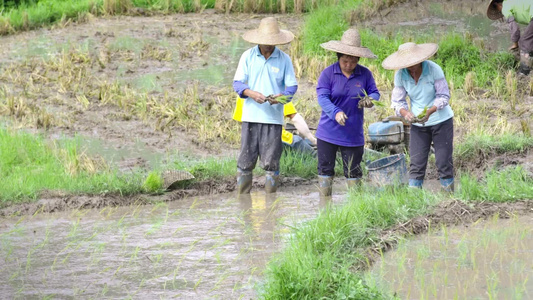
350, 44
493, 12
409, 54
268, 33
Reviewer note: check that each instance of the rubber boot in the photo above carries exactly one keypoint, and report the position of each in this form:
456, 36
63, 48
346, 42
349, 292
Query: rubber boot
526, 62
353, 183
244, 182
416, 183
271, 182
325, 185
447, 185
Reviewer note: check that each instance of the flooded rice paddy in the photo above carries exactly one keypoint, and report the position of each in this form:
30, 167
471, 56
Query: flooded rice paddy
202, 247
490, 259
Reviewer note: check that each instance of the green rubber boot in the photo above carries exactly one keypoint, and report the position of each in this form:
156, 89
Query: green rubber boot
325, 185
244, 182
271, 182
353, 183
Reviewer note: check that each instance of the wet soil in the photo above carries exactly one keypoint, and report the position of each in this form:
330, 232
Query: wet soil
201, 49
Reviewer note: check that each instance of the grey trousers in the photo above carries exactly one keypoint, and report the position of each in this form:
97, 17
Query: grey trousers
526, 40
420, 143
263, 141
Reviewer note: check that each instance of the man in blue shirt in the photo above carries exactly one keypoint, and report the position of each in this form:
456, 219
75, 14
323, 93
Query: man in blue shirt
264, 74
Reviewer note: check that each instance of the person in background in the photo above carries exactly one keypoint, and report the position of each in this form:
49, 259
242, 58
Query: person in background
264, 74
290, 141
344, 89
517, 12
431, 116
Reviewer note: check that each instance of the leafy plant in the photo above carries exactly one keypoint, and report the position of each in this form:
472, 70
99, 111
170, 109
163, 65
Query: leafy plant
153, 182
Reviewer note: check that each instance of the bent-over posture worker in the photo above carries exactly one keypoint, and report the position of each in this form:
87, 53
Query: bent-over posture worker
517, 12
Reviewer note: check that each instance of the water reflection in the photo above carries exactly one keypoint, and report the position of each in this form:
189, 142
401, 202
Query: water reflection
259, 211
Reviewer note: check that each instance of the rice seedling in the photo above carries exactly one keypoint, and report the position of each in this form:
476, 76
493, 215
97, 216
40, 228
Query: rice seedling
511, 87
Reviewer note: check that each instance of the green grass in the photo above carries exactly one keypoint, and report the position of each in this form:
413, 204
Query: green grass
29, 165
322, 257
153, 182
510, 184
292, 164
483, 144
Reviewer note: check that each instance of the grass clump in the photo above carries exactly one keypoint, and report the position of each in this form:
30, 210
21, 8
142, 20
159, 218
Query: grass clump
321, 257
508, 185
153, 182
30, 165
483, 144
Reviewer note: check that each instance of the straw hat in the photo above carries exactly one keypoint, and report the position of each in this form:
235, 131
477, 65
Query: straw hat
350, 44
409, 54
268, 33
492, 12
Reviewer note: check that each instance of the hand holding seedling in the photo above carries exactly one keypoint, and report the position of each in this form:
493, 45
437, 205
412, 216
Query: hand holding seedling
258, 97
277, 99
341, 118
407, 115
423, 117
366, 102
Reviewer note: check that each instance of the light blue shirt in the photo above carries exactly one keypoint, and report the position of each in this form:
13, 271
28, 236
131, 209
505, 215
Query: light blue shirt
424, 93
267, 76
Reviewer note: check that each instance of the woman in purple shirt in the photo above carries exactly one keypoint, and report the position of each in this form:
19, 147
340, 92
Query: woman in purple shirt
341, 86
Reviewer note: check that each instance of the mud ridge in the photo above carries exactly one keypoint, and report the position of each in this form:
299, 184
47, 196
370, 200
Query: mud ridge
50, 201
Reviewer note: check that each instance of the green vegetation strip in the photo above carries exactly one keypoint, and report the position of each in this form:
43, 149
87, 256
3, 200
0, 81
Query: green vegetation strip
29, 165
322, 258
483, 145
30, 14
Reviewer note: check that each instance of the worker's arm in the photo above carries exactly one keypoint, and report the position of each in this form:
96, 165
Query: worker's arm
302, 127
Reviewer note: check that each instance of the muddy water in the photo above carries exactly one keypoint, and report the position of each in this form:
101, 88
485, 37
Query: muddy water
205, 247
486, 260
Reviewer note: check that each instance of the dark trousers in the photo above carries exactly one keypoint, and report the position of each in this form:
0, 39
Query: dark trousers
526, 40
419, 145
263, 141
351, 159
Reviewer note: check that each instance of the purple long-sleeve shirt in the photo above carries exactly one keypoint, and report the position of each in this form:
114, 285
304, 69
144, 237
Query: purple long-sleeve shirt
337, 93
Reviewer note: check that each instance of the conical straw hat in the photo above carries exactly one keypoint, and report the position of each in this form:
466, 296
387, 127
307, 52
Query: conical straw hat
492, 12
350, 44
268, 33
409, 54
